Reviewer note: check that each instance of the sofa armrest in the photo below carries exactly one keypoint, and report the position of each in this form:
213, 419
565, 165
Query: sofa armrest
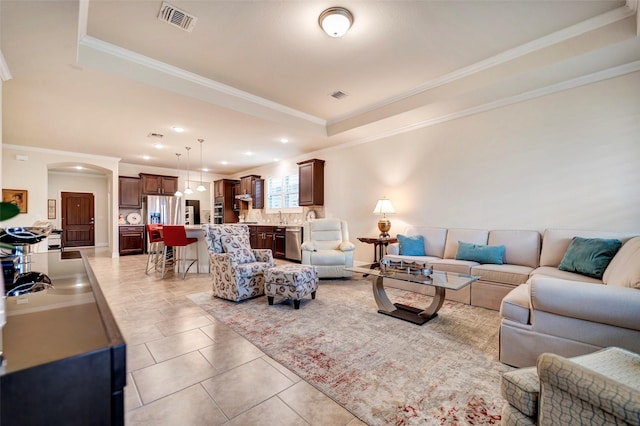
347, 246
617, 306
263, 255
307, 246
393, 248
223, 258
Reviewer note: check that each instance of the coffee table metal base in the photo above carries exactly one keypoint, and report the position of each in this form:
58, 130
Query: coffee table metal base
406, 312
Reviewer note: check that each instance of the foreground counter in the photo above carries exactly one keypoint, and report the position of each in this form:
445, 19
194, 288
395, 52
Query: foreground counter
64, 356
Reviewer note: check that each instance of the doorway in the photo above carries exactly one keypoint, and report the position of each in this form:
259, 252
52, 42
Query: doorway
77, 210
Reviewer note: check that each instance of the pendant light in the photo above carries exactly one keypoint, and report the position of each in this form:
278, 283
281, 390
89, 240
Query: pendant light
178, 193
201, 187
187, 189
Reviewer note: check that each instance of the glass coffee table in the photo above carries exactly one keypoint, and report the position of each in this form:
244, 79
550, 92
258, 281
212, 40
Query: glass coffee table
440, 281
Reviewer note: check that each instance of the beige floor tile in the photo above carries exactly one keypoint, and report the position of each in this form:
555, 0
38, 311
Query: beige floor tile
178, 344
138, 356
231, 353
271, 412
184, 323
219, 331
246, 386
356, 422
191, 406
131, 396
163, 379
314, 406
290, 374
134, 335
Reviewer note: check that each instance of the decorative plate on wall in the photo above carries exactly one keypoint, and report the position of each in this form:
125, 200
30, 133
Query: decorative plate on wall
134, 219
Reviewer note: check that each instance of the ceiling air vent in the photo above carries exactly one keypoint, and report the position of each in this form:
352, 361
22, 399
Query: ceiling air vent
176, 17
155, 135
339, 94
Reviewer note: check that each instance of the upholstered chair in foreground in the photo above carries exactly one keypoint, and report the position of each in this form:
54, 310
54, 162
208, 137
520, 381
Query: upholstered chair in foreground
327, 246
601, 388
237, 270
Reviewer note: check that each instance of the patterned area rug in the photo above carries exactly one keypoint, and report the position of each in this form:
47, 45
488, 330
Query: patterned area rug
382, 369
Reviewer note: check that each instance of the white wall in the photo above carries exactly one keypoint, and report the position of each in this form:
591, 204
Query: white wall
567, 160
33, 176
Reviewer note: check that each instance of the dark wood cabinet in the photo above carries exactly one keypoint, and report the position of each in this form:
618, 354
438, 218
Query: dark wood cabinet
158, 184
224, 194
279, 244
131, 240
311, 183
269, 237
129, 192
254, 186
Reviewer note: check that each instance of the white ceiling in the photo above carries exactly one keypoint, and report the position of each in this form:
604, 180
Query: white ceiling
99, 76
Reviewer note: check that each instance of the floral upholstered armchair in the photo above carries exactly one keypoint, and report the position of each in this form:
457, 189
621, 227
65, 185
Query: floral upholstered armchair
236, 268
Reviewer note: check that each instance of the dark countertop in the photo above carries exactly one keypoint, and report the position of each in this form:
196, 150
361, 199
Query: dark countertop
56, 323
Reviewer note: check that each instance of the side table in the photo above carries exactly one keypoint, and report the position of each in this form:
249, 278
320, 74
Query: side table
379, 247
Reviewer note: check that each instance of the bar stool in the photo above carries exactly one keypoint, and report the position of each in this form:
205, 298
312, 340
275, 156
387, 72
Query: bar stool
154, 237
175, 236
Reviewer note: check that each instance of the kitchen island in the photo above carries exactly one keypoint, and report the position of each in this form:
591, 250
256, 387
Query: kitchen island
64, 356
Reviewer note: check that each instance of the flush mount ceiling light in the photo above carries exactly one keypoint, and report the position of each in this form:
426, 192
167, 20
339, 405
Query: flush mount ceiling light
335, 21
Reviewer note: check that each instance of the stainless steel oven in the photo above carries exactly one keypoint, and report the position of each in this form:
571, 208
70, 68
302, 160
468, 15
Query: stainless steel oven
218, 213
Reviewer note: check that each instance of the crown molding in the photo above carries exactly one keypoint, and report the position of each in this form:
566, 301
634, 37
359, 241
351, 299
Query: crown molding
58, 152
522, 97
592, 24
170, 70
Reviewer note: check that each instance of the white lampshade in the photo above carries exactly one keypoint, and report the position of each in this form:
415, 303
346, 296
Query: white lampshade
201, 188
335, 21
383, 207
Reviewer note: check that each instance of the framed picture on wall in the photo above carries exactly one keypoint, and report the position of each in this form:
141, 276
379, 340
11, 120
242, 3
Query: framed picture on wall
17, 197
51, 209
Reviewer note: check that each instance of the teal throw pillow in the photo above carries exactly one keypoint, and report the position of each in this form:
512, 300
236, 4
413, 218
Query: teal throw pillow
411, 246
480, 253
589, 256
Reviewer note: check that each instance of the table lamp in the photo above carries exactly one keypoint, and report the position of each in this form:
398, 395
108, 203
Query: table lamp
384, 206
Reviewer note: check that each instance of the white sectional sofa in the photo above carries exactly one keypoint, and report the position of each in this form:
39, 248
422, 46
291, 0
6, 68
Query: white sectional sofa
543, 308
521, 256
572, 314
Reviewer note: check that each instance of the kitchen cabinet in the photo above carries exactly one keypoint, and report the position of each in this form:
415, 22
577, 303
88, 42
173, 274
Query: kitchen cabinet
225, 201
129, 192
131, 240
269, 237
254, 186
64, 356
311, 183
158, 184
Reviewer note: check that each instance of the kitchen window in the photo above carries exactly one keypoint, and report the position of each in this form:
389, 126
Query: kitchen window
282, 194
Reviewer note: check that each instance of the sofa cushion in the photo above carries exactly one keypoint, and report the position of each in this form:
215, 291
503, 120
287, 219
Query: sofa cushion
422, 259
515, 305
624, 269
452, 265
521, 388
556, 241
550, 271
504, 274
473, 236
411, 245
522, 247
589, 256
480, 253
434, 239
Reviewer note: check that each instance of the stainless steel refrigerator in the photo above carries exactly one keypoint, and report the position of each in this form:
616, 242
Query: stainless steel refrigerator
162, 209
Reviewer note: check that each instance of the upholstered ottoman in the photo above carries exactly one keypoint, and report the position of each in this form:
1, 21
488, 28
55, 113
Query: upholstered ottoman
291, 282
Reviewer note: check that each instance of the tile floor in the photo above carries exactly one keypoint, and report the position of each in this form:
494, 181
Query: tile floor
185, 367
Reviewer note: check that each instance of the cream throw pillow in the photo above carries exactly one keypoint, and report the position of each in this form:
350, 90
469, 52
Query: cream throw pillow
624, 269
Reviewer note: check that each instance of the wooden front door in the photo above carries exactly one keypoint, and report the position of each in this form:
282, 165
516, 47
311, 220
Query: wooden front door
78, 219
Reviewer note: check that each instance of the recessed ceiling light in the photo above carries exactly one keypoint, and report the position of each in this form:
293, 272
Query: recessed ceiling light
224, 162
248, 153
276, 160
157, 145
146, 157
204, 169
178, 129
79, 167
284, 140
